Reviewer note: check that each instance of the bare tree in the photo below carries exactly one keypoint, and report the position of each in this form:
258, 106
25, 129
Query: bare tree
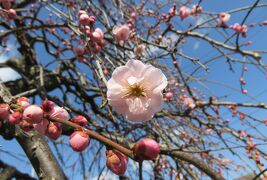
66, 51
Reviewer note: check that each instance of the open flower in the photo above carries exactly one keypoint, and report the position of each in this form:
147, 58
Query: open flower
135, 90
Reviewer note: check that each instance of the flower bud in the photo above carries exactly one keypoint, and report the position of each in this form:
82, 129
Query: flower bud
12, 14
33, 114
26, 126
4, 110
79, 141
98, 35
146, 149
184, 12
92, 19
15, 118
48, 106
116, 162
84, 19
54, 130
81, 120
24, 102
169, 96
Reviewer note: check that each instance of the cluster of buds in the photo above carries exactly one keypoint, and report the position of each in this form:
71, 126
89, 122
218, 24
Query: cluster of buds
33, 117
85, 19
96, 38
185, 12
147, 149
240, 29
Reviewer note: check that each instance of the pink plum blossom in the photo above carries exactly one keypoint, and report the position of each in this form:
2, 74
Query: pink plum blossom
15, 118
33, 114
121, 33
135, 90
79, 141
184, 12
146, 149
116, 162
4, 110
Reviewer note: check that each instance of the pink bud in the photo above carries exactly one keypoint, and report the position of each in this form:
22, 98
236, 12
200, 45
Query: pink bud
121, 33
133, 15
33, 114
244, 91
15, 118
26, 126
172, 11
92, 20
98, 35
54, 130
146, 149
224, 17
79, 51
116, 162
84, 19
12, 14
184, 12
79, 141
48, 106
24, 102
196, 9
42, 126
139, 49
4, 110
169, 96
81, 120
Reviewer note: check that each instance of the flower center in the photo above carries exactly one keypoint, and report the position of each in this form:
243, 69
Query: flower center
135, 90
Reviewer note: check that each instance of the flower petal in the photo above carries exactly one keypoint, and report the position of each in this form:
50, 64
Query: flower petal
137, 67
